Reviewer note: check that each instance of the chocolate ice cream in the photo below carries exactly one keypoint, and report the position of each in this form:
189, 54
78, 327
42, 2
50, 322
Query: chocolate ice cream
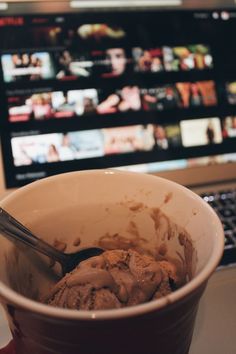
115, 279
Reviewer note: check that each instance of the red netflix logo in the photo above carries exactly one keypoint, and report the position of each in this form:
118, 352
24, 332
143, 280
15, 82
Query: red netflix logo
11, 21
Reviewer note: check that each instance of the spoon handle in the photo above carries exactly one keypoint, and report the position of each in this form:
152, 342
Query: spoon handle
12, 228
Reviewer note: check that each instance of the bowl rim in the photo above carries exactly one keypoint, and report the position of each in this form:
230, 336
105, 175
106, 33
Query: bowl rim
22, 302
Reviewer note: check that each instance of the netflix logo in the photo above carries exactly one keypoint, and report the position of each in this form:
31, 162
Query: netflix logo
11, 21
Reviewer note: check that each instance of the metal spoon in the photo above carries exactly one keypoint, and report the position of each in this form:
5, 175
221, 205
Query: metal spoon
14, 230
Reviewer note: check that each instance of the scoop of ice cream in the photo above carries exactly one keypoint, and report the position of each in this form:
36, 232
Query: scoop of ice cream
115, 279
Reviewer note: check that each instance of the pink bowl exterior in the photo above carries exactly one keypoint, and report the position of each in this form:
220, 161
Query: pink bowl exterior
164, 331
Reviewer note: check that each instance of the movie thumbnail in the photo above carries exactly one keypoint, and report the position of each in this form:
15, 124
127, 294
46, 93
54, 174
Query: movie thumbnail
166, 137
56, 147
72, 65
23, 108
110, 62
99, 31
27, 67
196, 94
123, 100
107, 63
231, 92
160, 98
191, 57
74, 102
148, 60
229, 127
197, 132
122, 140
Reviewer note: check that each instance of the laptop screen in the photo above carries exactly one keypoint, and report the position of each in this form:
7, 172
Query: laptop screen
148, 91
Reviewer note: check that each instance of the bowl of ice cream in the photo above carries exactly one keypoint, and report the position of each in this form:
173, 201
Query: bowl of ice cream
162, 242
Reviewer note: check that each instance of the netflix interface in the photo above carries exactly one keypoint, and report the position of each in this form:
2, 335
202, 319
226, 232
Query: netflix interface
85, 91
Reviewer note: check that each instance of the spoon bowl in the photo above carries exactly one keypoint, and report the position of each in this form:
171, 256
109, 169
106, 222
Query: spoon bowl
15, 231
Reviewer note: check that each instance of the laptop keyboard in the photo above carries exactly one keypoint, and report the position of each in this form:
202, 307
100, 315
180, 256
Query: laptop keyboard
224, 203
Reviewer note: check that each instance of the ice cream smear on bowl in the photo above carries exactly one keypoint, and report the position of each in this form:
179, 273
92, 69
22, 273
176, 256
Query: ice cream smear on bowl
132, 270
147, 256
115, 279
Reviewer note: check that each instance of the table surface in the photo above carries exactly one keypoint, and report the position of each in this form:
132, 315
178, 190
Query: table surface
215, 329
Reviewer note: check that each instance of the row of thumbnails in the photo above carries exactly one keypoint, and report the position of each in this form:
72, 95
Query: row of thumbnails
54, 147
111, 62
66, 104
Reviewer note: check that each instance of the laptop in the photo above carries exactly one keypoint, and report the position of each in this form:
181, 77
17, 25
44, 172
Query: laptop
146, 86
